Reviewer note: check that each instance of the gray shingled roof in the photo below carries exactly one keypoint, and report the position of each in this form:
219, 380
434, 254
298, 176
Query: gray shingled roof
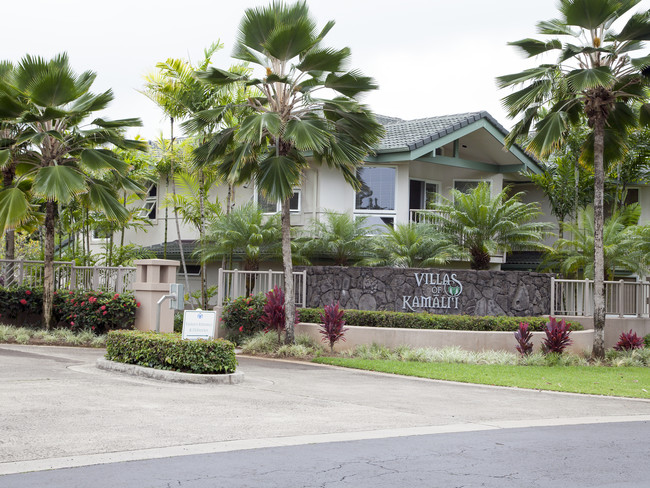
412, 134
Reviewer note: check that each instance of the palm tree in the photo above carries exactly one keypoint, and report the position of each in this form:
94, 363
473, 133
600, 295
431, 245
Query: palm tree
621, 244
340, 236
288, 120
412, 246
595, 77
482, 224
63, 162
244, 230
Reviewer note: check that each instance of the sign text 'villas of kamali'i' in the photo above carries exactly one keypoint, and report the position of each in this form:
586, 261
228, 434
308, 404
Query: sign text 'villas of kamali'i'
440, 291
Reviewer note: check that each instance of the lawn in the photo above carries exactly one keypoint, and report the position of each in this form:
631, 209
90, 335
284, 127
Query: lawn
595, 380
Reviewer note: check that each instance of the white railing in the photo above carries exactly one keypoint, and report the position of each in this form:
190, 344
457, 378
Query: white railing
67, 276
622, 298
423, 216
235, 283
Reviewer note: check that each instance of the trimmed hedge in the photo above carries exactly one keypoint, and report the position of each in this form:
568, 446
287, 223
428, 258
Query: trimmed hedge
170, 352
402, 320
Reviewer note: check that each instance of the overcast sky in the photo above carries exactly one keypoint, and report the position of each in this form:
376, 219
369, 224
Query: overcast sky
429, 58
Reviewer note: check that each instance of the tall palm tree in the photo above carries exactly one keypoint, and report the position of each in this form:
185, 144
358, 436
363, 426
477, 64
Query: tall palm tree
54, 104
620, 239
594, 76
483, 225
289, 120
412, 246
339, 236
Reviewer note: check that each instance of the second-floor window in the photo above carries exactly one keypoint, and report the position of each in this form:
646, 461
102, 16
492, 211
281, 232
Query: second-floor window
269, 206
150, 203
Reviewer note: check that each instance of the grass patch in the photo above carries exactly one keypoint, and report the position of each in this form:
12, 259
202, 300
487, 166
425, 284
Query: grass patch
267, 345
58, 337
596, 380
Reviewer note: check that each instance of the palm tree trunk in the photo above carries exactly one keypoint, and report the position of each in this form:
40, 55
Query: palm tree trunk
289, 298
204, 293
599, 257
48, 262
178, 225
166, 219
10, 236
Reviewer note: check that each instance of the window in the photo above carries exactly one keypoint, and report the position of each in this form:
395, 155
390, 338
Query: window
375, 223
268, 206
150, 203
377, 189
466, 186
422, 194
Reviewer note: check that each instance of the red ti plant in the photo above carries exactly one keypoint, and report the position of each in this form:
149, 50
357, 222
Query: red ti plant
557, 336
273, 313
524, 339
332, 324
629, 341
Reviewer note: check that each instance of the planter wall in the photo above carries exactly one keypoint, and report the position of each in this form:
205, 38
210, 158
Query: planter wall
467, 340
440, 291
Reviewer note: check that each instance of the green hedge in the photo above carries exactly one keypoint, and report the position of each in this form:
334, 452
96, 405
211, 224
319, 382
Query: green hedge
169, 351
402, 320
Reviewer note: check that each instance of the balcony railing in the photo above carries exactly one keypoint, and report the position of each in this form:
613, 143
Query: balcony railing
235, 283
622, 298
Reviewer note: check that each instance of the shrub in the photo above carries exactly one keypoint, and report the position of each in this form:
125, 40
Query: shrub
524, 339
332, 324
628, 341
646, 341
557, 336
403, 320
169, 351
242, 316
98, 312
273, 315
18, 302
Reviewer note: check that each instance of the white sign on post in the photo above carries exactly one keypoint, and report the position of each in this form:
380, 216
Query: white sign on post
199, 324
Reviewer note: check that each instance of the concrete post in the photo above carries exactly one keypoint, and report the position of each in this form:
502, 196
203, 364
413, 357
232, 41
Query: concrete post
152, 279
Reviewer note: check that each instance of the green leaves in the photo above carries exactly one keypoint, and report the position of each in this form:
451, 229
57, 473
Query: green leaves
103, 197
255, 127
277, 176
324, 60
585, 79
99, 159
59, 183
549, 133
533, 47
14, 208
636, 29
590, 14
308, 134
350, 84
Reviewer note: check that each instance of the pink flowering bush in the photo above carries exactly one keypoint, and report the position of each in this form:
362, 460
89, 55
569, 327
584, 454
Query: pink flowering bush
242, 316
20, 303
98, 312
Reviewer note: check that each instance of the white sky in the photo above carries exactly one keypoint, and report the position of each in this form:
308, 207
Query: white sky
432, 57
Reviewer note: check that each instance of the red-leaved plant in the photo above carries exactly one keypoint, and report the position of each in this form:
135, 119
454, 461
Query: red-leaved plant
557, 336
273, 314
524, 339
332, 324
629, 341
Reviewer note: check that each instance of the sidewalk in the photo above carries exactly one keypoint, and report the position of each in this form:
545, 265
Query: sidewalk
59, 410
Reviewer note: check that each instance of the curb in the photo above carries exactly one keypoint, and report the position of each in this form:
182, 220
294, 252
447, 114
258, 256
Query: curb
172, 376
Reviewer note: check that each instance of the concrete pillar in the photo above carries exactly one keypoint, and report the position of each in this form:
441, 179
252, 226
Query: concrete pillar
152, 279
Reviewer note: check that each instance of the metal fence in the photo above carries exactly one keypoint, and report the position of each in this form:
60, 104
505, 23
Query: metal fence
67, 276
235, 283
622, 298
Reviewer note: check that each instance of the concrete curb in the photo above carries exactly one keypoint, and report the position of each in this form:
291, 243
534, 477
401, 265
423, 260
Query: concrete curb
172, 376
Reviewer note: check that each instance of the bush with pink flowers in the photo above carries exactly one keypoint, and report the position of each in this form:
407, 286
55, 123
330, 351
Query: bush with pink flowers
95, 311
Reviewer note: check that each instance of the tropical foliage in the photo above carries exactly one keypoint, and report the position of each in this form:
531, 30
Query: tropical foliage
288, 119
574, 255
596, 77
484, 225
412, 246
67, 150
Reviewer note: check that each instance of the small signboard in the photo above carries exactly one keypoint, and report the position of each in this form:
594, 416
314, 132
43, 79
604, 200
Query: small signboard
199, 324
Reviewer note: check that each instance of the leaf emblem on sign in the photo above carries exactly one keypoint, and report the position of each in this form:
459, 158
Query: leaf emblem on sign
454, 290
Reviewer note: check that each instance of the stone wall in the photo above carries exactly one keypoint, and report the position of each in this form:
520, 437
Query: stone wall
441, 291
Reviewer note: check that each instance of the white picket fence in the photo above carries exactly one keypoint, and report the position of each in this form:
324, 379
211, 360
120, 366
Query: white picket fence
622, 298
236, 283
67, 276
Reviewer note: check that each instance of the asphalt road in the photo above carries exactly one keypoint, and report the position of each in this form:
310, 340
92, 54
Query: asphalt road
600, 455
